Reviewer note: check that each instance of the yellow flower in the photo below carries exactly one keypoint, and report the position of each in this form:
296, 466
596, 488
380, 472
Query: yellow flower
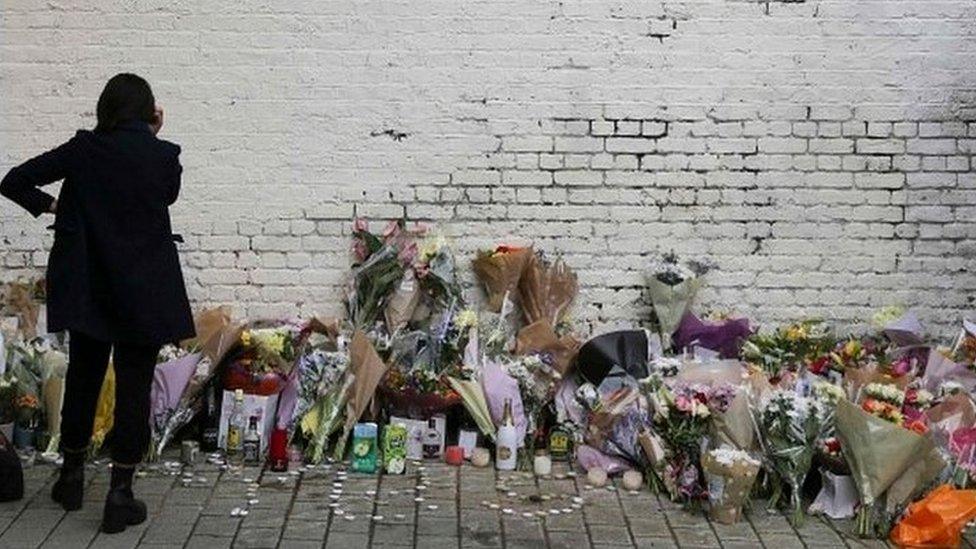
796, 332
246, 338
466, 319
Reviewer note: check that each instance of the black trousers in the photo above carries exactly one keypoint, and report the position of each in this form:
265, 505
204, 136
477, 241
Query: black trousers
134, 366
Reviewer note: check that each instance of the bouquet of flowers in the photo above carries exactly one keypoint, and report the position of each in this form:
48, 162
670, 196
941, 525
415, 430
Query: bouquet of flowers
536, 378
174, 369
672, 286
788, 348
28, 409
790, 426
882, 457
422, 360
263, 359
729, 475
435, 270
379, 263
319, 370
500, 270
681, 417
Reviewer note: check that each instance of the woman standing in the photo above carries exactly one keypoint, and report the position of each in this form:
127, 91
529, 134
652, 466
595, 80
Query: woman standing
113, 277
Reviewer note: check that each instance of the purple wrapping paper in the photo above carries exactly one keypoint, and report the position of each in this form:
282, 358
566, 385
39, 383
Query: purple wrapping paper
169, 381
288, 400
725, 337
588, 457
499, 386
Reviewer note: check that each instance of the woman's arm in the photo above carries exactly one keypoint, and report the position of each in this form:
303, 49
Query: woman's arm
21, 183
175, 177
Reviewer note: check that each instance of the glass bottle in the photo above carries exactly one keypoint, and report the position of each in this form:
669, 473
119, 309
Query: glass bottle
235, 426
432, 440
251, 445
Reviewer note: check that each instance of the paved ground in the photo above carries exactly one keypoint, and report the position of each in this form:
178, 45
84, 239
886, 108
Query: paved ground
433, 506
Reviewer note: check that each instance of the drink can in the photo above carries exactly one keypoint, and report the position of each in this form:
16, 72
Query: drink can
189, 451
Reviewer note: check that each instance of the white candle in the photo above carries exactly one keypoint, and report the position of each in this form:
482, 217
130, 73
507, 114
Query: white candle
542, 465
633, 480
597, 477
480, 457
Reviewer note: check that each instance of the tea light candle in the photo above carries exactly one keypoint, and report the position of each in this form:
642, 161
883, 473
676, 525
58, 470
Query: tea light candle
480, 457
597, 477
633, 480
542, 465
454, 455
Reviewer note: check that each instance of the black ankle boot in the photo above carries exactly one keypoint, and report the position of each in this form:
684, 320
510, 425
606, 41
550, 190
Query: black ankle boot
122, 509
70, 486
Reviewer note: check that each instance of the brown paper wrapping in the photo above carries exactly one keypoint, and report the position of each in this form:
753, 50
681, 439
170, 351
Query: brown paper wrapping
540, 337
500, 274
653, 448
19, 301
216, 333
367, 369
402, 304
729, 486
735, 426
547, 291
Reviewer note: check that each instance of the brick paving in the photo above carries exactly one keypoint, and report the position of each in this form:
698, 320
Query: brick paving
434, 505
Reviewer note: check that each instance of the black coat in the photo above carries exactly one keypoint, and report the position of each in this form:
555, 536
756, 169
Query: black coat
114, 273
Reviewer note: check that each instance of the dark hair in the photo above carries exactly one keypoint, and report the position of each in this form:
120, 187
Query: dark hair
125, 97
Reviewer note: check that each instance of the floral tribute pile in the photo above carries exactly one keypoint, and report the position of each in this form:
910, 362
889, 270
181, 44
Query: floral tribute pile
877, 425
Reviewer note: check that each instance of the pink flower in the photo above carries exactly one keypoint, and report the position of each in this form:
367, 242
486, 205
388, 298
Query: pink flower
360, 225
359, 251
408, 254
392, 230
683, 403
901, 366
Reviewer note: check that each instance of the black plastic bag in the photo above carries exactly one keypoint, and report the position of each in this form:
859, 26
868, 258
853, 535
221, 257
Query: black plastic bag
11, 472
627, 349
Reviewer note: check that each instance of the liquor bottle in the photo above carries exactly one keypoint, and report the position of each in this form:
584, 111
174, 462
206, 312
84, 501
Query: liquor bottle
210, 422
432, 440
506, 443
251, 445
235, 426
559, 443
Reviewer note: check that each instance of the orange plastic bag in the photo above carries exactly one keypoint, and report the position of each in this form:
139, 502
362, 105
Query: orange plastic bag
937, 519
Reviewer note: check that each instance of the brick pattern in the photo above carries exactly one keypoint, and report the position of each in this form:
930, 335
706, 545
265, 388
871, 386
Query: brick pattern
820, 151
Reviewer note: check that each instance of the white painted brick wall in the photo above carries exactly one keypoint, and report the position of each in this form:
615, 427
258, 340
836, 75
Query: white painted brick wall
820, 151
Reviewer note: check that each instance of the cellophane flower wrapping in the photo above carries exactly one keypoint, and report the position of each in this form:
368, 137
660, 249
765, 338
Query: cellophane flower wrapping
616, 416
536, 379
681, 418
319, 371
879, 453
729, 476
790, 426
672, 285
171, 379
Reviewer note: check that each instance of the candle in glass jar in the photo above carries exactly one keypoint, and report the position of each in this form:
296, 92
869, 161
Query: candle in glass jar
542, 465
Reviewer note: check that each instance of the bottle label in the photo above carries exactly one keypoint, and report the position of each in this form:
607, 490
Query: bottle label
252, 451
233, 438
